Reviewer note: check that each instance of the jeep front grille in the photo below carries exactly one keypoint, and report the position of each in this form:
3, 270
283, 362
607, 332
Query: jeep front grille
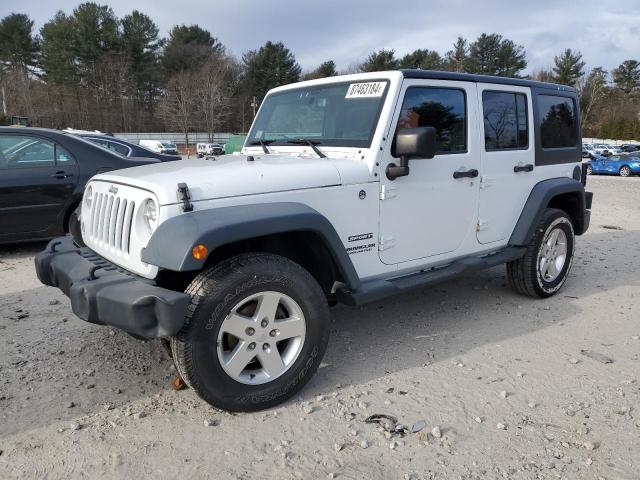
110, 221
113, 227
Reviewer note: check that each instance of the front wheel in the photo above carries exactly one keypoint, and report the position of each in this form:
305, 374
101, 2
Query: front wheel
589, 170
545, 266
255, 332
625, 171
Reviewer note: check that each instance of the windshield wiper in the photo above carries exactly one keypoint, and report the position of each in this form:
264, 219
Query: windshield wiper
311, 143
263, 144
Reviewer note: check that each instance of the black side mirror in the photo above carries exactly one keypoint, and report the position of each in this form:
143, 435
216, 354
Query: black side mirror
412, 143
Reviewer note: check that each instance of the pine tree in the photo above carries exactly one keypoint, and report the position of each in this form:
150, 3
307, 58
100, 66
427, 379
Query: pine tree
569, 67
627, 76
18, 48
189, 47
457, 58
379, 61
57, 56
423, 59
326, 69
495, 55
140, 45
268, 67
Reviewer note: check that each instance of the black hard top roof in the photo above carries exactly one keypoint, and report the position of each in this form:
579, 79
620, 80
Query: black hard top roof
468, 77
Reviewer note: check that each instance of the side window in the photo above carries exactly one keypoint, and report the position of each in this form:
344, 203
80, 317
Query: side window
557, 121
444, 109
505, 121
63, 157
23, 151
102, 143
117, 148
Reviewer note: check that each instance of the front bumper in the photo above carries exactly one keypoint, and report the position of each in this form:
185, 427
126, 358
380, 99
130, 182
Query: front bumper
104, 294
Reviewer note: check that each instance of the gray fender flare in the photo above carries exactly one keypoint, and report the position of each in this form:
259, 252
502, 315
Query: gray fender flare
539, 198
171, 244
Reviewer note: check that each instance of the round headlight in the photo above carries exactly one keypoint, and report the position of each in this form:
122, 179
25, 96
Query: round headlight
150, 214
88, 196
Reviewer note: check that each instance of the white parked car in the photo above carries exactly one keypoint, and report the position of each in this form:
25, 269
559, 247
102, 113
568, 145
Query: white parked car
209, 149
588, 151
160, 146
615, 150
601, 149
348, 190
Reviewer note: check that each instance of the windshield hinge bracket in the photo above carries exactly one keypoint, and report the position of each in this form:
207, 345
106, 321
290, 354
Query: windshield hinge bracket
184, 196
387, 192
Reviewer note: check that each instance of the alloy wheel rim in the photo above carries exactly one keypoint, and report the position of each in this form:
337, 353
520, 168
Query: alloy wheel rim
624, 171
261, 337
553, 254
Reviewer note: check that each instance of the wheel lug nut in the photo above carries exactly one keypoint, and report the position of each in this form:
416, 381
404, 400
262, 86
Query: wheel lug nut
264, 322
266, 347
250, 331
252, 345
273, 332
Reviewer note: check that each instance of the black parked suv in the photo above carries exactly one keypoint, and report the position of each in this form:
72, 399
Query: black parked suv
42, 178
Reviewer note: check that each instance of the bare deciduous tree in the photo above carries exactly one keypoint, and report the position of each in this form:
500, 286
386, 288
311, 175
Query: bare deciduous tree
214, 93
179, 106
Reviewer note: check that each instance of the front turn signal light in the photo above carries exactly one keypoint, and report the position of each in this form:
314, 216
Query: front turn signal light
199, 252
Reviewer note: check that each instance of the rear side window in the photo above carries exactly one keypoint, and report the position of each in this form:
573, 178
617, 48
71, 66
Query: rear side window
63, 157
557, 121
505, 121
23, 151
444, 109
118, 148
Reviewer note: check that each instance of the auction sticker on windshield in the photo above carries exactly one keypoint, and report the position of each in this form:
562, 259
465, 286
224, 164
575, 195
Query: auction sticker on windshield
365, 90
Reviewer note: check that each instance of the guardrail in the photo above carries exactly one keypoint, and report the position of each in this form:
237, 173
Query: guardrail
608, 141
177, 138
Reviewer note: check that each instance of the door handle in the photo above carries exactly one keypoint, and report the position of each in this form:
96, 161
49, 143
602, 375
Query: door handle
62, 175
466, 174
523, 168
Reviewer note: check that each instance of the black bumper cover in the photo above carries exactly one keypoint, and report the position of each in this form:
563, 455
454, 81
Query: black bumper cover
102, 293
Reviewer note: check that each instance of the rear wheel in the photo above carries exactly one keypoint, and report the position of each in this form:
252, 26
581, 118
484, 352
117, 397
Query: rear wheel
545, 266
589, 170
625, 171
256, 330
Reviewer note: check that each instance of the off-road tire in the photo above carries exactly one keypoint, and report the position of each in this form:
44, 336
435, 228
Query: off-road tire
214, 292
523, 274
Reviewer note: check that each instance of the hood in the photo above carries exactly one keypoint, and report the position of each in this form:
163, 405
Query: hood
235, 175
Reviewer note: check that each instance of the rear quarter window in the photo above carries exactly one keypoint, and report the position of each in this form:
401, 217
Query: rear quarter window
557, 121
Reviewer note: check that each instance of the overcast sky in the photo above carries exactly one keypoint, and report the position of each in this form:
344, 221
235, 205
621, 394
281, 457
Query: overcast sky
605, 31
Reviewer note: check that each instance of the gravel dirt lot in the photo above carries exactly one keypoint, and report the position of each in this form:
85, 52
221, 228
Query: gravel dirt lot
502, 382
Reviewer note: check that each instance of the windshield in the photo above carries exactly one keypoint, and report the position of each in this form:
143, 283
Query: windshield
168, 145
343, 114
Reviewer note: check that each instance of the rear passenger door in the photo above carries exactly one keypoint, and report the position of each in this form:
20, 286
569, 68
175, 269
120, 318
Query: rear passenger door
508, 159
38, 178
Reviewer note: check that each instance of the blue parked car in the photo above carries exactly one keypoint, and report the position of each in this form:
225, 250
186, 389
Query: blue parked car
624, 166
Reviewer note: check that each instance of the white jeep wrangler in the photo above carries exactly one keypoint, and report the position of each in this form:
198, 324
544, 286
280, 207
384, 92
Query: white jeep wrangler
349, 189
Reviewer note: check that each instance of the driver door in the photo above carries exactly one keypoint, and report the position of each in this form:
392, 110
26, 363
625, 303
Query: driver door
429, 213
